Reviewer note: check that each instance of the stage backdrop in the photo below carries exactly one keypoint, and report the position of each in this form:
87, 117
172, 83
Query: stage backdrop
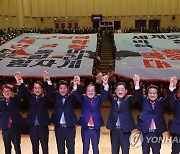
152, 56
60, 54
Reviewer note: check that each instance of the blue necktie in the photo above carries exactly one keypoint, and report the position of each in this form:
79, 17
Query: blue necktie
62, 120
36, 119
118, 121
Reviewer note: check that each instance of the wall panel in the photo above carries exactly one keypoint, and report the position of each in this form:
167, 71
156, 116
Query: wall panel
62, 8
96, 7
13, 7
109, 8
123, 7
48, 8
42, 9
167, 7
144, 7
129, 6
137, 6
27, 7
159, 7
5, 7
1, 22
20, 14
103, 8
35, 8
69, 6
83, 6
90, 7
152, 7
76, 8
50, 23
28, 22
14, 22
7, 23
174, 7
179, 9
116, 7
1, 8
55, 8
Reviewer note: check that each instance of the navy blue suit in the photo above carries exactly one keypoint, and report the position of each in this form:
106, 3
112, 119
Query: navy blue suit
38, 131
67, 132
88, 110
120, 134
175, 126
14, 132
157, 114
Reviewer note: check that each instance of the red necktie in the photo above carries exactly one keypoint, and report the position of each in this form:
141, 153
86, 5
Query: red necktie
9, 119
90, 119
152, 121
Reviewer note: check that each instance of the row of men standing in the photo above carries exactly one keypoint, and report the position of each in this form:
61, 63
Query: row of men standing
120, 122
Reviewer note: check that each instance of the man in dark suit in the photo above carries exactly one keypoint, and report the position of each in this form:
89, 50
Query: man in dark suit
120, 120
90, 119
37, 117
64, 118
11, 120
151, 121
175, 126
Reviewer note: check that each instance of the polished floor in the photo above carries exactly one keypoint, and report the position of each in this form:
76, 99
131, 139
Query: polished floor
104, 145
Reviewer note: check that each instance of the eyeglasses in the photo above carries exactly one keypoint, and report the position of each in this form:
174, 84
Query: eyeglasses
7, 91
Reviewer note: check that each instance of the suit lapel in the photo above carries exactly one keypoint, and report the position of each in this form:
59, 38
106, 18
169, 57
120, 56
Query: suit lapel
5, 104
37, 101
94, 102
61, 101
122, 101
150, 105
116, 104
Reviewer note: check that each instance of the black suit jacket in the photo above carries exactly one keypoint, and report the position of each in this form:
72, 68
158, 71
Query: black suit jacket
157, 113
11, 110
67, 108
175, 126
40, 108
123, 112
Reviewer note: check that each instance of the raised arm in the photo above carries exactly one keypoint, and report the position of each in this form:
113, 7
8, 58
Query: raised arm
18, 78
76, 92
138, 96
20, 81
170, 97
105, 93
48, 85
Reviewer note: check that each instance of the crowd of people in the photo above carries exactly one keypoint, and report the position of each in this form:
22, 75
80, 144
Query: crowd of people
113, 80
154, 30
120, 121
10, 33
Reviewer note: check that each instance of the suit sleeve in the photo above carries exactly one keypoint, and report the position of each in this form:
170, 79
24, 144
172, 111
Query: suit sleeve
169, 99
26, 92
104, 95
19, 94
110, 97
49, 91
137, 97
78, 95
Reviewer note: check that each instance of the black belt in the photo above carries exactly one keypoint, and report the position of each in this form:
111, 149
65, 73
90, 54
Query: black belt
118, 127
63, 125
36, 124
152, 130
90, 127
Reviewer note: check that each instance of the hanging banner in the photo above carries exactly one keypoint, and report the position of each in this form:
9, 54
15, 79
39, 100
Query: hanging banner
152, 56
60, 54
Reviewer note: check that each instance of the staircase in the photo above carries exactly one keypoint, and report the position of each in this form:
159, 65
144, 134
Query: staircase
106, 55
